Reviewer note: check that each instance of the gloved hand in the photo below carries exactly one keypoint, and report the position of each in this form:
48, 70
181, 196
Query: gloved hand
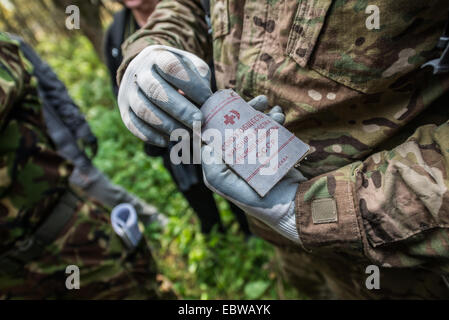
149, 99
87, 141
277, 208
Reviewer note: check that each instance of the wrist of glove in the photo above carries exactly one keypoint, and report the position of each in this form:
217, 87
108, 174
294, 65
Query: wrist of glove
149, 99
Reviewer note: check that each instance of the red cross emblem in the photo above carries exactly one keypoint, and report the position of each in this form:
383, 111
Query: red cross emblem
229, 118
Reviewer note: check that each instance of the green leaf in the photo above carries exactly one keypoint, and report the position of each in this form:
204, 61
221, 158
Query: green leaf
256, 289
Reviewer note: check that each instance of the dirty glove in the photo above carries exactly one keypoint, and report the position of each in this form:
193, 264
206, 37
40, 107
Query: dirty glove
276, 209
149, 99
87, 141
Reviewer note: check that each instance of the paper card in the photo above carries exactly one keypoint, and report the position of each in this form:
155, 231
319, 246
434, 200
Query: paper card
257, 148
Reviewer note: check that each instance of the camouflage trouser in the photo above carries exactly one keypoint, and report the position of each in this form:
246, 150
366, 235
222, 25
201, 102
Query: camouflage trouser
327, 274
107, 270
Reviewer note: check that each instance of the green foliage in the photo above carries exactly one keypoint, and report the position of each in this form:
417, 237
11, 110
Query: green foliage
199, 267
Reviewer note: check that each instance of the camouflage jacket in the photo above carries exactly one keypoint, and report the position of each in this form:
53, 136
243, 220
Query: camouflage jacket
376, 122
32, 174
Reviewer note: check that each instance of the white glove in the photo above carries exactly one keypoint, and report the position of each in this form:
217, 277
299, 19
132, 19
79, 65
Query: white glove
150, 103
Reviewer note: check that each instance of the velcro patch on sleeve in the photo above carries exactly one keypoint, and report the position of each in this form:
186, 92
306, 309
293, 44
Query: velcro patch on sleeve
324, 211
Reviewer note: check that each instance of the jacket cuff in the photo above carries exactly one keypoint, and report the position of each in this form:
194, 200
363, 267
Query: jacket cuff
326, 214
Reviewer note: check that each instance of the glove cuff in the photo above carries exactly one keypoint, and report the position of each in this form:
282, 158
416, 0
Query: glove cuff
287, 225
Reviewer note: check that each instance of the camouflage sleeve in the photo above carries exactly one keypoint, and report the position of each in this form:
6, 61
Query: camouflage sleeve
12, 75
393, 207
180, 24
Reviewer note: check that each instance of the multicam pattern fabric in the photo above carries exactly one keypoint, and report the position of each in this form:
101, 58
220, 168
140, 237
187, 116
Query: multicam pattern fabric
376, 122
32, 179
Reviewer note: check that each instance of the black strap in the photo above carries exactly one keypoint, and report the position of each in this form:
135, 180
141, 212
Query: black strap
30, 248
206, 6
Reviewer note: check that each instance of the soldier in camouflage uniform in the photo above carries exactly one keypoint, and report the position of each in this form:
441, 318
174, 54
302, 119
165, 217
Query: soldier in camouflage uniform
45, 226
377, 123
